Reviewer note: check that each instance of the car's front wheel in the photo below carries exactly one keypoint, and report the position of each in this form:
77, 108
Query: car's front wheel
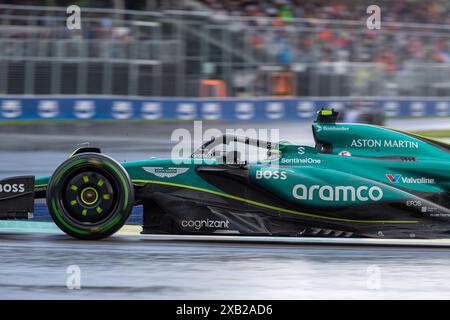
90, 196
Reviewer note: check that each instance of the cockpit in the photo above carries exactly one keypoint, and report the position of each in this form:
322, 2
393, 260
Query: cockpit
232, 149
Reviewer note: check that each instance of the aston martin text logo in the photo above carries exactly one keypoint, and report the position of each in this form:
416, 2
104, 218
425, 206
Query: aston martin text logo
375, 143
165, 172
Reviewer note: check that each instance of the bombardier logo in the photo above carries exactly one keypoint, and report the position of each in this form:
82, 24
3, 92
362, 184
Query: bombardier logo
12, 188
337, 193
331, 128
165, 172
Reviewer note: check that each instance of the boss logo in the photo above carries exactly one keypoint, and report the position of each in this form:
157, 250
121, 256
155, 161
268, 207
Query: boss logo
14, 188
269, 174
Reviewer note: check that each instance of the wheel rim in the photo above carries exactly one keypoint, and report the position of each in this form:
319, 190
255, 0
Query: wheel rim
89, 197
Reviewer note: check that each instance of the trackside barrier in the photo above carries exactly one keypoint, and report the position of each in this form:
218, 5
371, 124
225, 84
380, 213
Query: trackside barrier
122, 108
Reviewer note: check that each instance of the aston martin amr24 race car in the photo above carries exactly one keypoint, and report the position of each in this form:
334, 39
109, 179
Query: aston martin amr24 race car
357, 181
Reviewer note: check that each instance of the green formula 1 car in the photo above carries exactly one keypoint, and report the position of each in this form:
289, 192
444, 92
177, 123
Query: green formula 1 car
357, 181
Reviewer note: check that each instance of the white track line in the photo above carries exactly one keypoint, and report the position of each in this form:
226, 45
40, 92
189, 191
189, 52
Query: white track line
133, 232
294, 240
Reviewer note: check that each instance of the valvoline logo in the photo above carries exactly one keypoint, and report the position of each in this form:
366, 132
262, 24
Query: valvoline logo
393, 177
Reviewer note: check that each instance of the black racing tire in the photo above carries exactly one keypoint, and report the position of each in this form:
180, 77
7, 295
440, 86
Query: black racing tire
90, 196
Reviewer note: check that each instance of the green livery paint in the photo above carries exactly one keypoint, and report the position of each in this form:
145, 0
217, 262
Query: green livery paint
357, 179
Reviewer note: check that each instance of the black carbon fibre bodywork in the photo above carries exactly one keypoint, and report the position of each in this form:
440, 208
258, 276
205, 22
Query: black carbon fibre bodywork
17, 198
177, 210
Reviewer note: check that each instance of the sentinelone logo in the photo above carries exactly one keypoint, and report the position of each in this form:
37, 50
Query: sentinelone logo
395, 178
300, 161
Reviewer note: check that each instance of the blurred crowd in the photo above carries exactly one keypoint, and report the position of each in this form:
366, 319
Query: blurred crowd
48, 25
412, 11
288, 31
421, 37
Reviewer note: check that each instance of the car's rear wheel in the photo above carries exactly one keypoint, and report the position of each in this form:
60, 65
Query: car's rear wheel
90, 196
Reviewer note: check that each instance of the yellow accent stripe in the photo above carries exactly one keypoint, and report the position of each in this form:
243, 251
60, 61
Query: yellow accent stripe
40, 185
73, 153
427, 138
411, 134
259, 204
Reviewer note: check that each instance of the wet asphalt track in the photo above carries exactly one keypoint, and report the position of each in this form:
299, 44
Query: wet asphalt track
33, 265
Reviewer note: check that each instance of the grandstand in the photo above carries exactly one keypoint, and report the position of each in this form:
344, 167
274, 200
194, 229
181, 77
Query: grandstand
226, 48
